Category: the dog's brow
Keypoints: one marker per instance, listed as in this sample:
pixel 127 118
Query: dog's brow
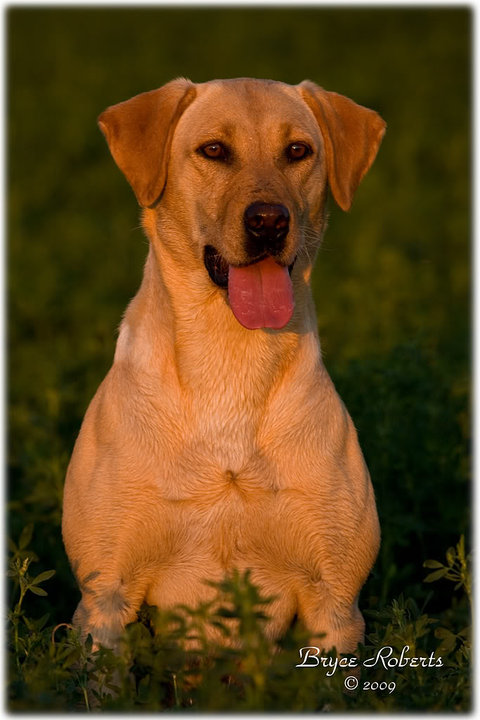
pixel 291 131
pixel 223 131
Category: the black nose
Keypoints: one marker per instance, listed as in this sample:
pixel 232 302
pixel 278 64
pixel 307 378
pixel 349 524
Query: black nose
pixel 267 226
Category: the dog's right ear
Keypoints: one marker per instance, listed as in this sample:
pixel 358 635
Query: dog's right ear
pixel 139 134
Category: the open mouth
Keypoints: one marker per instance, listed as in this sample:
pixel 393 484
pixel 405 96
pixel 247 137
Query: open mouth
pixel 218 267
pixel 260 293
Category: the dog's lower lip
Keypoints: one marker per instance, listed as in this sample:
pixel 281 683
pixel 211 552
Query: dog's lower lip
pixel 217 266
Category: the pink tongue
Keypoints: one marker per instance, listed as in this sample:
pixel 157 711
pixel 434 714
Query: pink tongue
pixel 261 295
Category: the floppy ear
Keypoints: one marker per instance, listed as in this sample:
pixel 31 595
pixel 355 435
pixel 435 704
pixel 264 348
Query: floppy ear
pixel 352 135
pixel 139 134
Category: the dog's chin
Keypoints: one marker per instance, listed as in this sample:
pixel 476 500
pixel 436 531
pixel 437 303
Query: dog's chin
pixel 217 267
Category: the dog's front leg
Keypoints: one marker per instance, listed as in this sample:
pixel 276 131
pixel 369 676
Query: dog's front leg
pixel 105 608
pixel 332 622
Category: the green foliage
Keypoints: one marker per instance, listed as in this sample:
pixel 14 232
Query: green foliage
pixel 392 288
pixel 25 630
pixel 457 569
pixel 168 660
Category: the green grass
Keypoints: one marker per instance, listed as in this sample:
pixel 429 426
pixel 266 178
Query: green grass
pixel 392 288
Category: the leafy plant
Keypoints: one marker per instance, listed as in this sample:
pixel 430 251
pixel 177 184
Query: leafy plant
pixel 217 657
pixel 25 630
pixel 457 569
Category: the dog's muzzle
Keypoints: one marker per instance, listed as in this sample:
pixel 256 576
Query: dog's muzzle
pixel 260 291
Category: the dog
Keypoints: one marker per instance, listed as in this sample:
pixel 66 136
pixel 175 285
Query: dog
pixel 217 440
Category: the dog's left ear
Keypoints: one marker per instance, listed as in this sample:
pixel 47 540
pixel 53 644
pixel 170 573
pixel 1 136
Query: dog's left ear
pixel 139 133
pixel 352 135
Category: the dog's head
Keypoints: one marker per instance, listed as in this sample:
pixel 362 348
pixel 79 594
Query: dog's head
pixel 240 168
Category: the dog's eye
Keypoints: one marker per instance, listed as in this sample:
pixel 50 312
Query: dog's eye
pixel 298 151
pixel 215 151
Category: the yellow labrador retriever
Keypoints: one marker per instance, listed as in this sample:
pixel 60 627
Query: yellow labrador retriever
pixel 217 439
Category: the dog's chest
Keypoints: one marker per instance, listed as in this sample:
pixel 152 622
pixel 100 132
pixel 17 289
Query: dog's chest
pixel 219 502
pixel 234 525
pixel 214 519
pixel 231 495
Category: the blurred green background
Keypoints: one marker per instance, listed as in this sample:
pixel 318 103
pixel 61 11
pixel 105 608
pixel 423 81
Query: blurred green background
pixel 392 282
